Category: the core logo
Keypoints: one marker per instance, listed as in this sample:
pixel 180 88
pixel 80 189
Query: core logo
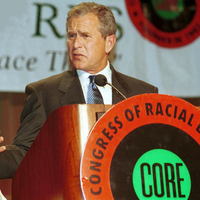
pixel 161 174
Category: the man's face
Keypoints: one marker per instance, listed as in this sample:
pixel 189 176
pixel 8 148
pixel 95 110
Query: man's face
pixel 87 49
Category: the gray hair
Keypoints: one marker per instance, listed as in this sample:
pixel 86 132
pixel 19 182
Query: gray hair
pixel 107 23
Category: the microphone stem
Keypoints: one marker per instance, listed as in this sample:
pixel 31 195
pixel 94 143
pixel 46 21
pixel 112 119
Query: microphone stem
pixel 116 90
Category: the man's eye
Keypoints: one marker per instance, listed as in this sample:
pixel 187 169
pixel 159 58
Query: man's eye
pixel 71 35
pixel 85 35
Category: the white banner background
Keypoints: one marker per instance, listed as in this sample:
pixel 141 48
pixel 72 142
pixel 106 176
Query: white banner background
pixel 26 58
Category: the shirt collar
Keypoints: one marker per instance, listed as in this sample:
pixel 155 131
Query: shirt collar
pixel 106 72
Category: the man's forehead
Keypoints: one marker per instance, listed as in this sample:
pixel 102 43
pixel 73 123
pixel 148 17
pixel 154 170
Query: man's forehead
pixel 86 20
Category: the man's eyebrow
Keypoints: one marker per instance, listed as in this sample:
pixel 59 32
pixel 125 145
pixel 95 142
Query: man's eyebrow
pixel 70 32
pixel 85 32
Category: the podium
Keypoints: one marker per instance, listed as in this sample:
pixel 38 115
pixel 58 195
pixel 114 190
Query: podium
pixel 145 146
pixel 51 167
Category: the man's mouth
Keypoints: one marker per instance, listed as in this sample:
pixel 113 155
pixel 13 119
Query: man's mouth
pixel 77 55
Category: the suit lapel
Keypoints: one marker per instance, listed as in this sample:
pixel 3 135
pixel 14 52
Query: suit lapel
pixel 71 88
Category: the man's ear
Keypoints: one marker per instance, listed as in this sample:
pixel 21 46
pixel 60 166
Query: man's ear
pixel 110 43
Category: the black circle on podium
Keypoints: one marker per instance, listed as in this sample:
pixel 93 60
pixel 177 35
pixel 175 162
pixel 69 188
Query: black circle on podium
pixel 143 139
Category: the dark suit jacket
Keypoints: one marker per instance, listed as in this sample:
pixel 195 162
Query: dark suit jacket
pixel 45 96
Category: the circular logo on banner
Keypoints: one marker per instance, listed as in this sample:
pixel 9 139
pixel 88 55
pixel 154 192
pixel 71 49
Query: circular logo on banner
pixel 167 23
pixel 146 147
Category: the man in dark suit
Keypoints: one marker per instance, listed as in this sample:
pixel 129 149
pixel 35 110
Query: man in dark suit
pixel 91 36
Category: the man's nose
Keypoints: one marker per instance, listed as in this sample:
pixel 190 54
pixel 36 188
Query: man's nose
pixel 77 42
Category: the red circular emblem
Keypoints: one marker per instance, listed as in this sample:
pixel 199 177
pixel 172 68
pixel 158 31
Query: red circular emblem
pixel 129 130
pixel 167 23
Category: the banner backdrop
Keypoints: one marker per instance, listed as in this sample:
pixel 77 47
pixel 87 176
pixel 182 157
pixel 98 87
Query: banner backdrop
pixel 158 42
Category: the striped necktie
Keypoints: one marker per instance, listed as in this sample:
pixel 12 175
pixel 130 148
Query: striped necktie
pixel 93 96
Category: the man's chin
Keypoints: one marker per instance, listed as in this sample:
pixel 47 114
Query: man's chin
pixel 80 67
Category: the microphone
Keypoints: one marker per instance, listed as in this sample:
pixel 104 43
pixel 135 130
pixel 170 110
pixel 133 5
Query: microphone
pixel 101 80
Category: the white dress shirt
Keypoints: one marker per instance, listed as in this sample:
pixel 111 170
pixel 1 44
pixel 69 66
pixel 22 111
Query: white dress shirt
pixel 106 91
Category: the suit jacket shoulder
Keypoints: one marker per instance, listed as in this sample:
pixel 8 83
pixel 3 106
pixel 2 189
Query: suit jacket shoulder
pixel 129 86
pixel 58 90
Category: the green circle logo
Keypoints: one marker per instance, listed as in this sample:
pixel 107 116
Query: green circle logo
pixel 161 174
pixel 168 9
